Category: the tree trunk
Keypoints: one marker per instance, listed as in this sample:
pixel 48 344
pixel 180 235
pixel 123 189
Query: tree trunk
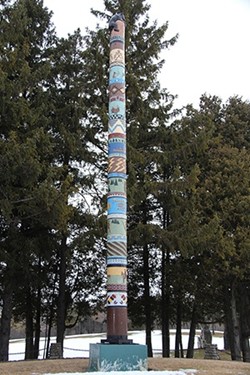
pixel 226 338
pixel 147 302
pixel 236 325
pixel 244 314
pixel 5 322
pixel 232 323
pixel 181 346
pixel 178 337
pixel 61 306
pixel 165 292
pixel 245 349
pixel 50 317
pixel 190 349
pixel 37 324
pixel 29 344
pixel 50 322
pixel 165 305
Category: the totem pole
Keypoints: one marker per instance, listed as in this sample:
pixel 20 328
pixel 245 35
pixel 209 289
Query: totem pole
pixel 116 352
pixel 117 198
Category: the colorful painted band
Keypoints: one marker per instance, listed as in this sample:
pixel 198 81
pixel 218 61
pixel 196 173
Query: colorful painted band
pixel 118 271
pixel 116 80
pixel 116 248
pixel 116 261
pixel 116 226
pixel 116 287
pixel 117 216
pixel 116 37
pixel 117 299
pixel 117 205
pixel 115 89
pixel 117 280
pixel 116 107
pixel 114 137
pixel 116 72
pixel 117 126
pixel 117 175
pixel 116 238
pixel 117 135
pixel 116 57
pixel 117 42
pixel 118 194
pixel 117 147
pixel 117 164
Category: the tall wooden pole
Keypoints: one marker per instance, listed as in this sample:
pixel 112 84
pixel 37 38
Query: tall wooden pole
pixel 103 356
pixel 117 321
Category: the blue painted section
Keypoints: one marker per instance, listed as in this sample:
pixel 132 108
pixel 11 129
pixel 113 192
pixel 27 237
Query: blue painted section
pixel 117 148
pixel 117 174
pixel 116 38
pixel 117 75
pixel 117 205
pixel 116 261
pixel 116 80
pixel 116 238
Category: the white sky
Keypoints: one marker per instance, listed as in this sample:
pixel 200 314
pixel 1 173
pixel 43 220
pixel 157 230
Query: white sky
pixel 212 54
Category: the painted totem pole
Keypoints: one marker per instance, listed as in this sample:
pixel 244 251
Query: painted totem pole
pixel 128 356
pixel 117 198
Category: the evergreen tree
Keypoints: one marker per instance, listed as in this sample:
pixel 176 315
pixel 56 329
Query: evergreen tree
pixel 26 36
pixel 47 169
pixel 220 199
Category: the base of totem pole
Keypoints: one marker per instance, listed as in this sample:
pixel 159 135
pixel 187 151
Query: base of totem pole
pixel 118 357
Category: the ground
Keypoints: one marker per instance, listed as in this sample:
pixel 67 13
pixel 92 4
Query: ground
pixel 204 367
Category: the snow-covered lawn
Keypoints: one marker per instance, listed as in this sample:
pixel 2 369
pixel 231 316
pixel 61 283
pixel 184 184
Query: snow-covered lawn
pixel 78 345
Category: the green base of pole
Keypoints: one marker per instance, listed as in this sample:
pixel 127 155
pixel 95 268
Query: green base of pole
pixel 112 357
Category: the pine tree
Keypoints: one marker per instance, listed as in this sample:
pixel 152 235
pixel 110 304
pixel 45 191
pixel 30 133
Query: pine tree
pixel 26 36
pixel 220 199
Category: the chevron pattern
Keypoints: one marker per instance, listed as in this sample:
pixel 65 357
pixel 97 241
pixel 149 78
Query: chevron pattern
pixel 117 126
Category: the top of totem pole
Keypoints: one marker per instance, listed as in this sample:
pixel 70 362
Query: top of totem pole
pixel 113 21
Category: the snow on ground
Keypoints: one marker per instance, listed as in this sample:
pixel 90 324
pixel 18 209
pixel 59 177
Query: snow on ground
pixel 78 345
pixel 180 372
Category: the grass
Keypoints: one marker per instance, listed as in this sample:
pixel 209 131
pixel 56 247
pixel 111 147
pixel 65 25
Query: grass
pixel 201 366
pixel 200 353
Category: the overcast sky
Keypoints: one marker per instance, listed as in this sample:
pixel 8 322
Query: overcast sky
pixel 212 54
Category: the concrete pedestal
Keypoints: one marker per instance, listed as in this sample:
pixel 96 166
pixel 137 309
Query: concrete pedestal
pixel 123 357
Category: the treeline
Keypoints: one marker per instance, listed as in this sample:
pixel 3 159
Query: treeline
pixel 188 185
